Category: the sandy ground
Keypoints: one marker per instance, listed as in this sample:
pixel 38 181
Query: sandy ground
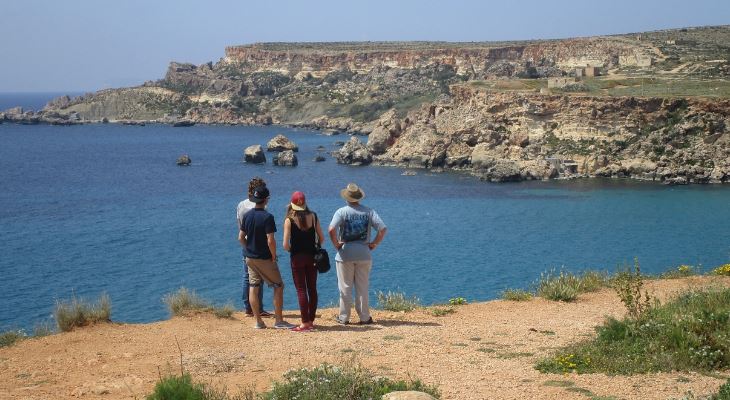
pixel 483 351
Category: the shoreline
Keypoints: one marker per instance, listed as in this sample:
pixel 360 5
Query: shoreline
pixel 375 162
pixel 482 350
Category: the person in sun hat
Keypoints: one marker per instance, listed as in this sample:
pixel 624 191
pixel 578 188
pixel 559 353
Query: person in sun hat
pixel 256 235
pixel 350 234
pixel 243 207
pixel 302 236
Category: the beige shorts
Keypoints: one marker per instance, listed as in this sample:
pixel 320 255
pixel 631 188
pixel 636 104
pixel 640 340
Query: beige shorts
pixel 263 270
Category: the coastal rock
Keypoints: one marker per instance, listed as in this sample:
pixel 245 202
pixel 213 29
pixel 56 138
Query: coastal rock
pixel 680 180
pixel 281 143
pixel 184 160
pixel 59 102
pixel 407 395
pixel 386 130
pixel 263 120
pixel 183 123
pixel 286 158
pixel 319 158
pixel 254 154
pixel 354 152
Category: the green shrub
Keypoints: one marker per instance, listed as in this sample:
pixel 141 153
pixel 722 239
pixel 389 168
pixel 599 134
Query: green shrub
pixel 77 312
pixel 516 295
pixel 225 311
pixel 9 338
pixel 561 287
pixel 178 387
pixel 186 302
pixel 689 333
pixel 628 284
pixel 328 382
pixel 397 301
pixel 592 281
pixel 681 271
pixel 457 301
pixel 442 311
pixel 722 270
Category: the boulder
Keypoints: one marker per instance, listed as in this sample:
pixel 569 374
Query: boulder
pixel 679 180
pixel 281 143
pixel 383 135
pixel 183 123
pixel 254 154
pixel 319 158
pixel 286 158
pixel 354 152
pixel 184 160
pixel 407 395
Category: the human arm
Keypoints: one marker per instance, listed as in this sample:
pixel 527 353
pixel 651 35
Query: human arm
pixel 336 221
pixel 287 234
pixel 271 241
pixel 378 238
pixel 333 237
pixel 242 238
pixel 379 225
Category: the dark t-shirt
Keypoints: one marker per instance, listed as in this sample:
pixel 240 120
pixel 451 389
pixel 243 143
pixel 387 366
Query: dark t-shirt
pixel 257 223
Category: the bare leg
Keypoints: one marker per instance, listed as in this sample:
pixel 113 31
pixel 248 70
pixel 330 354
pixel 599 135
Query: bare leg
pixel 278 303
pixel 253 297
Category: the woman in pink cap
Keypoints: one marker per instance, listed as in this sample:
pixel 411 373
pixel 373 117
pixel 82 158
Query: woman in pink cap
pixel 302 236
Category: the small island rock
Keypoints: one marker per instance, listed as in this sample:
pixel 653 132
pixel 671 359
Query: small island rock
pixel 281 143
pixel 184 160
pixel 286 158
pixel 254 154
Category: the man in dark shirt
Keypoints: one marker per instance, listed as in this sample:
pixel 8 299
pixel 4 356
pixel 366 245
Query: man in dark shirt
pixel 259 246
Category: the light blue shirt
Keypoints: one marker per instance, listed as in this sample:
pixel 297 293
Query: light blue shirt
pixel 353 225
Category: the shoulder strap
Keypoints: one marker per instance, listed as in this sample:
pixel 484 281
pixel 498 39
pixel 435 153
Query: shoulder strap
pixel 317 243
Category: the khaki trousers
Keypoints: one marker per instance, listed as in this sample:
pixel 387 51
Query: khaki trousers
pixel 354 274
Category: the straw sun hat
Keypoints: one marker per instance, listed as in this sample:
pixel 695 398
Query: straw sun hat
pixel 352 193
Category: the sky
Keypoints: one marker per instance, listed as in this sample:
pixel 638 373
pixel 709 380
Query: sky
pixel 87 45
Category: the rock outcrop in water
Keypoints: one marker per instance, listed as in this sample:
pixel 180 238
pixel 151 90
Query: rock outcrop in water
pixel 354 152
pixel 254 154
pixel 184 160
pixel 504 111
pixel 281 143
pixel 286 158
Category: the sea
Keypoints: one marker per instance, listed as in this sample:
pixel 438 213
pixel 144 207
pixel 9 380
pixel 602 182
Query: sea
pixel 103 208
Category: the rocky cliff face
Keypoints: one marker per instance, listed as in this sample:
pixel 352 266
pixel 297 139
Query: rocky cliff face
pixel 461 105
pixel 517 136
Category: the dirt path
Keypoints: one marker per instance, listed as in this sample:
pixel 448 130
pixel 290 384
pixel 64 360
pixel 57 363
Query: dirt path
pixel 483 351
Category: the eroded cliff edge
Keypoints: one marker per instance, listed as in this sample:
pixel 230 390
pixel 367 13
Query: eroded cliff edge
pixel 523 136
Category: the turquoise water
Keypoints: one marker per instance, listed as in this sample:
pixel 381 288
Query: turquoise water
pixel 104 208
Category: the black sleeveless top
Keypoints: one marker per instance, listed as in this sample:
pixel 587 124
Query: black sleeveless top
pixel 303 241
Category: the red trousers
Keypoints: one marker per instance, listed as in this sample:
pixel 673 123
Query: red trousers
pixel 305 280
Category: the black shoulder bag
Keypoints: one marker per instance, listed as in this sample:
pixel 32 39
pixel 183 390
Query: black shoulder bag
pixel 321 258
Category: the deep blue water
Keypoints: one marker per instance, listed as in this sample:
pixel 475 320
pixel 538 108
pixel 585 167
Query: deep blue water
pixel 104 208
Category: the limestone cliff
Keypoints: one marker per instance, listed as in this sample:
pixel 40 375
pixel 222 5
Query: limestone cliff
pixel 516 136
pixel 503 110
